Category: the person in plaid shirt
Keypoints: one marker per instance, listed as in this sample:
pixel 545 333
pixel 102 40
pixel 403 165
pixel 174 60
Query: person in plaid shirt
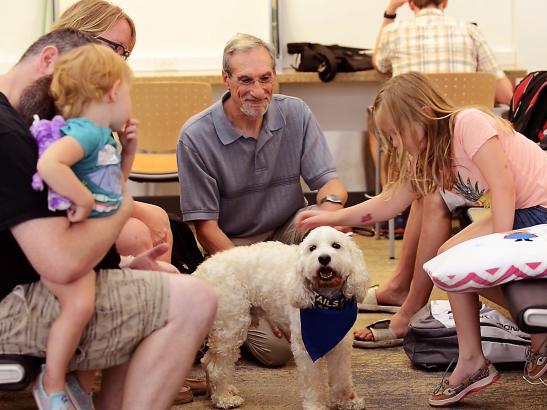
pixel 430 42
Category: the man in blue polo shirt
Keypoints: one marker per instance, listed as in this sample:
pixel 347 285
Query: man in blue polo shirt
pixel 240 163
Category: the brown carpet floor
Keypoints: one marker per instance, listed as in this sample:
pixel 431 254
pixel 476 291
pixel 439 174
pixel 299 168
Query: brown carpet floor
pixel 384 377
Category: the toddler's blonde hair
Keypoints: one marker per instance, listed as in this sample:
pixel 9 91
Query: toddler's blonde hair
pixel 85 75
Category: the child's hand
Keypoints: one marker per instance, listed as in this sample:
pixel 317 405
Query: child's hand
pixel 306 220
pixel 80 211
pixel 128 140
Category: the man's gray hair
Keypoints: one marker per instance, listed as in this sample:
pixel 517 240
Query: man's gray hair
pixel 240 43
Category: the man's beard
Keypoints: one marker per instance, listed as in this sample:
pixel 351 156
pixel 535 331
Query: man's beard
pixel 250 111
pixel 36 99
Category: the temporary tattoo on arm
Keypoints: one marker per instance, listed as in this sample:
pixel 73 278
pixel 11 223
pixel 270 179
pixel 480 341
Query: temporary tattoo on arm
pixel 366 218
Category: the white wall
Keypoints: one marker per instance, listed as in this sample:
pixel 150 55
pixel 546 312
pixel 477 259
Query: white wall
pixel 530 33
pixel 20 25
pixel 190 34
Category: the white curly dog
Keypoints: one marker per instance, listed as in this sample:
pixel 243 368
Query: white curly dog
pixel 280 279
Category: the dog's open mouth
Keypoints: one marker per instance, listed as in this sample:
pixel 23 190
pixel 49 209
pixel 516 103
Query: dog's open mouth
pixel 325 273
pixel 326 277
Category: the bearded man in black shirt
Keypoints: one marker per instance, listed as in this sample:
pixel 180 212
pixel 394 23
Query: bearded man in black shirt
pixel 146 322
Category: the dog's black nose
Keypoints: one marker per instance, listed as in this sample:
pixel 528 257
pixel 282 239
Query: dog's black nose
pixel 324 260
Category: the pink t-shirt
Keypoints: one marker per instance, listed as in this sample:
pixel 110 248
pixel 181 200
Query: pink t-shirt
pixel 527 161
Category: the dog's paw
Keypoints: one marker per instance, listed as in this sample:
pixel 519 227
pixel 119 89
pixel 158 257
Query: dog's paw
pixel 313 405
pixel 227 401
pixel 358 403
pixel 233 390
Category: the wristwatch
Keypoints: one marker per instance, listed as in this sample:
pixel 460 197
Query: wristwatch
pixel 335 199
pixel 390 16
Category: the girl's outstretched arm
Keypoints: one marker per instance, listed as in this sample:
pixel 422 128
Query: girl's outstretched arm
pixel 492 161
pixel 380 208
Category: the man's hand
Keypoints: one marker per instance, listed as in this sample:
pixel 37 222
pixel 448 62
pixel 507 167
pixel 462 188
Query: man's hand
pixel 393 5
pixel 276 330
pixel 258 313
pixel 147 260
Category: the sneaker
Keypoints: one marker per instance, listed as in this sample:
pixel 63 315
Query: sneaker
pixel 55 401
pixel 444 394
pixel 536 365
pixel 81 399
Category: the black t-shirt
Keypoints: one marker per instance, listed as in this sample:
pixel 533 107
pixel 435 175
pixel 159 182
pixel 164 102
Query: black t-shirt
pixel 19 202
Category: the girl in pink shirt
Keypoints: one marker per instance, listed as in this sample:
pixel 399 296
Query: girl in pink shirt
pixel 432 145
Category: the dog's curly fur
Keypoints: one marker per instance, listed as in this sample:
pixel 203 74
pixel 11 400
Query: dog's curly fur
pixel 279 279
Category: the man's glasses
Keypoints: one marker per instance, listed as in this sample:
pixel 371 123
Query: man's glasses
pixel 262 81
pixel 118 48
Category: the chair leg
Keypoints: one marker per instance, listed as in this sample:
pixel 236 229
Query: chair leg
pixel 391 236
pixel 377 188
pixel 377 177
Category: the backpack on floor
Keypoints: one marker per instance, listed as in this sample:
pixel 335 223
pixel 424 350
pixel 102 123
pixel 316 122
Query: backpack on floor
pixel 528 108
pixel 431 341
pixel 186 255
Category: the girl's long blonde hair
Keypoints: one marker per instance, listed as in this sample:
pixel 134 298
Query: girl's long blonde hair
pixel 412 102
pixel 94 17
pixel 85 75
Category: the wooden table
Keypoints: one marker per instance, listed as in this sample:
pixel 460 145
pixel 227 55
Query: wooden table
pixel 294 77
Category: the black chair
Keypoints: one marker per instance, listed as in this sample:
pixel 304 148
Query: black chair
pixel 18 371
pixel 527 302
pixel 526 299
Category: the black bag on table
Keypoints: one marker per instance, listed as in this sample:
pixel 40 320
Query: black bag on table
pixel 432 343
pixel 186 255
pixel 328 60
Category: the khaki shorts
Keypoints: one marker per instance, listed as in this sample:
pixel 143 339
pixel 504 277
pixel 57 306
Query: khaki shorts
pixel 129 306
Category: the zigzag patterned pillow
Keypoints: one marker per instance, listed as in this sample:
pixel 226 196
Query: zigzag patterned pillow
pixel 491 260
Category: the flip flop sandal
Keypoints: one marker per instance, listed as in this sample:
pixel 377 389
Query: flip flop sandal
pixel 382 334
pixel 370 303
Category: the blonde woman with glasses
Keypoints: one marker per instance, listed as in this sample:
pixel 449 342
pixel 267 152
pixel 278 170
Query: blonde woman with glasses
pixel 108 23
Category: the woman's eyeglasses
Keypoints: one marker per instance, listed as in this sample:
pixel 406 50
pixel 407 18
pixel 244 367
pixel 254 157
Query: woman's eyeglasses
pixel 118 48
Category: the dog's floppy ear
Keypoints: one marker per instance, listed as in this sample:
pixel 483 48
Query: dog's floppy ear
pixel 357 282
pixel 300 292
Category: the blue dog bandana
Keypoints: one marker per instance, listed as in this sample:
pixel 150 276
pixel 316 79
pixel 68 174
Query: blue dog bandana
pixel 324 325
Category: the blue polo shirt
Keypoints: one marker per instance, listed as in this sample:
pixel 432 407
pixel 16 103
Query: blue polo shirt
pixel 251 186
